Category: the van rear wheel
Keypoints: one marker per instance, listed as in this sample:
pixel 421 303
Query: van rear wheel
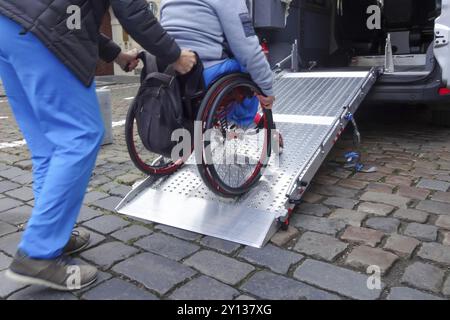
pixel 440 114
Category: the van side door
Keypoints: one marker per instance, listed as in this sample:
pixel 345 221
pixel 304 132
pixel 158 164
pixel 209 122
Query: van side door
pixel 441 41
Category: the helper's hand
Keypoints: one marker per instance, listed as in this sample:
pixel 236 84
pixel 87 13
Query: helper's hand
pixel 266 102
pixel 128 61
pixel 185 62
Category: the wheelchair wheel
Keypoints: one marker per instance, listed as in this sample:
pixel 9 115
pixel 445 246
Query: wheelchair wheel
pixel 233 156
pixel 147 162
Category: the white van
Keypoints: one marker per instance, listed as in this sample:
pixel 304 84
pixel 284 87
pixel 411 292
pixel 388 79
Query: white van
pixel 351 35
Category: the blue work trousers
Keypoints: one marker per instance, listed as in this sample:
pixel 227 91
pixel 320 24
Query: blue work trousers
pixel 61 121
pixel 241 114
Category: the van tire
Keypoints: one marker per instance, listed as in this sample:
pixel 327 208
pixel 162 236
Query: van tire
pixel 440 115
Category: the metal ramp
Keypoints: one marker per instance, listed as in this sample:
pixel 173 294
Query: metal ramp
pixel 311 111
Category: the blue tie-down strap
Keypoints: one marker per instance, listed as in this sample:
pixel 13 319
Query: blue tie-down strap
pixel 352 156
pixel 353 159
pixel 359 167
pixel 349 116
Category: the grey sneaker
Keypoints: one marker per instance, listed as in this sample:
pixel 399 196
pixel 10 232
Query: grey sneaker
pixel 56 274
pixel 78 241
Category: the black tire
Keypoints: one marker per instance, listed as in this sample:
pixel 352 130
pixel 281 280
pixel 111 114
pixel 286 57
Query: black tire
pixel 144 160
pixel 212 107
pixel 440 115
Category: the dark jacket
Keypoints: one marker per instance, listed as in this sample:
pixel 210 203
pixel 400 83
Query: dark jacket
pixel 80 49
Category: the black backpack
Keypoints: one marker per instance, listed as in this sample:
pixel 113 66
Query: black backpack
pixel 160 104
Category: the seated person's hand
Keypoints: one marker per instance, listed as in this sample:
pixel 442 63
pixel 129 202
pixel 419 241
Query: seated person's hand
pixel 186 62
pixel 128 61
pixel 266 102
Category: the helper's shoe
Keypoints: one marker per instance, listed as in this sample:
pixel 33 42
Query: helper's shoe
pixel 78 241
pixel 57 274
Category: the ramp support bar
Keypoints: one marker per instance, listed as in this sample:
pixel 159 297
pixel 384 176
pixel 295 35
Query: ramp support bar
pixel 293 58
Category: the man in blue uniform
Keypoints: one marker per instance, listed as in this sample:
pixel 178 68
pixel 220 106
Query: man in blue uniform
pixel 48 69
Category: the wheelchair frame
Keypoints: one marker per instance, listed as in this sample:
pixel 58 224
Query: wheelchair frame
pixel 210 98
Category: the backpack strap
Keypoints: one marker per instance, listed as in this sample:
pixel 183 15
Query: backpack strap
pixel 150 64
pixel 162 77
pixel 194 80
pixel 193 87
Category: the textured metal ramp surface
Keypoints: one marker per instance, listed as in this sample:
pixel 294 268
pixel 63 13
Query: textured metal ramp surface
pixel 239 224
pixel 317 93
pixel 309 112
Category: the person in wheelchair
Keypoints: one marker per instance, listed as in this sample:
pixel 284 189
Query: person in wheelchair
pixel 222 34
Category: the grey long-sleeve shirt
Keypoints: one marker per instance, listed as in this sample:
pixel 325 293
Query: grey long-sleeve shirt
pixel 211 27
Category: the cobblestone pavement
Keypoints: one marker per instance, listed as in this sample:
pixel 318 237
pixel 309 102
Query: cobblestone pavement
pixel 397 219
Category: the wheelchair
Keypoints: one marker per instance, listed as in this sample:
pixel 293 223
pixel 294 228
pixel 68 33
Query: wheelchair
pixel 230 158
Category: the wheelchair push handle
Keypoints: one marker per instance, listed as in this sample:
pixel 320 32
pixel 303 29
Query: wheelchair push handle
pixel 127 67
pixel 144 57
pixel 265 103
